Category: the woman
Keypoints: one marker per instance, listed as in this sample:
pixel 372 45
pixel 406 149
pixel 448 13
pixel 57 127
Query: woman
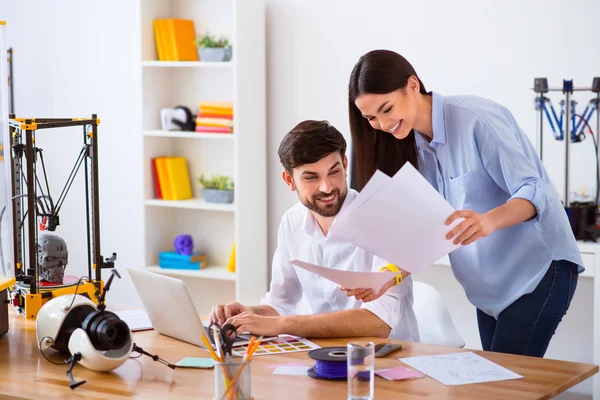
pixel 518 261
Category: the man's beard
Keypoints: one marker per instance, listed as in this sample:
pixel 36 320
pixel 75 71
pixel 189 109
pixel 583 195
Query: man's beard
pixel 326 210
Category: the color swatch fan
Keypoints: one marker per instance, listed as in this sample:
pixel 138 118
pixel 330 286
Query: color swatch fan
pixel 285 344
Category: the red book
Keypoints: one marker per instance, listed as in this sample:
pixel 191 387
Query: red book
pixel 155 179
pixel 212 129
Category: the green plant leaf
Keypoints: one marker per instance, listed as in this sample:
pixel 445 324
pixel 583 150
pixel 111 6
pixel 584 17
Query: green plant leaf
pixel 219 182
pixel 211 41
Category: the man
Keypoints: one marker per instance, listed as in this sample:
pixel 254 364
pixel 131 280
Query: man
pixel 315 166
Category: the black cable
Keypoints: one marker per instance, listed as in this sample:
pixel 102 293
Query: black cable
pixel 42 351
pixel 70 179
pixel 46 180
pixel 23 220
pixel 23 195
pixel 42 191
pixel 76 289
pixel 156 358
pixel 71 176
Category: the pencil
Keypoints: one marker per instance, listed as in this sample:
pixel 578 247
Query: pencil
pixel 209 348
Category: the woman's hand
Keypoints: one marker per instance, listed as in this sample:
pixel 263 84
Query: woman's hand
pixel 473 227
pixel 367 295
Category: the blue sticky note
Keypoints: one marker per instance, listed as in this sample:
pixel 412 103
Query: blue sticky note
pixel 195 362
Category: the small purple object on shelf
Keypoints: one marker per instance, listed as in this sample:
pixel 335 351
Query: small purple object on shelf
pixel 184 244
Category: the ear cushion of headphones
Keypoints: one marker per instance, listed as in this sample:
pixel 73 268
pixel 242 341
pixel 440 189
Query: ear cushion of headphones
pixel 190 124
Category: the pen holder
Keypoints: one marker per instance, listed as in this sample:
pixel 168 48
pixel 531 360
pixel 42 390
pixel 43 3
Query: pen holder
pixel 232 380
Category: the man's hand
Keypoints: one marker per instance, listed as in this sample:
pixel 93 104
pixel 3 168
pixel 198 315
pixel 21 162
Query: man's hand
pixel 367 295
pixel 474 226
pixel 256 324
pixel 220 313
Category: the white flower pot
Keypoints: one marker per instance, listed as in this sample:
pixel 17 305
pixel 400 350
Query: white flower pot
pixel 215 53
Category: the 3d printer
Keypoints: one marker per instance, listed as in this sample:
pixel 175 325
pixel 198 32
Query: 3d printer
pixel 570 126
pixel 34 210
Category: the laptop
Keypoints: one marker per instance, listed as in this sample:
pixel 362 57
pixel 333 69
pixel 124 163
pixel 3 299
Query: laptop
pixel 171 310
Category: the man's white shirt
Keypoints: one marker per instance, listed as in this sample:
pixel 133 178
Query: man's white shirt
pixel 300 237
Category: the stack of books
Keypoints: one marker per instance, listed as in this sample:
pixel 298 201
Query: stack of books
pixel 171 178
pixel 215 117
pixel 175 39
pixel 174 260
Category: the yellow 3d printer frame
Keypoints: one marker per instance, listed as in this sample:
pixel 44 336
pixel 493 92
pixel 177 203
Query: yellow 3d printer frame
pixel 27 294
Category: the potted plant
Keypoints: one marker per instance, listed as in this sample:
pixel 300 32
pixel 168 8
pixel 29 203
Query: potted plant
pixel 211 48
pixel 217 189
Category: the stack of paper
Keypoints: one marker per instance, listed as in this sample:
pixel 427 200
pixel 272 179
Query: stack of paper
pixel 400 219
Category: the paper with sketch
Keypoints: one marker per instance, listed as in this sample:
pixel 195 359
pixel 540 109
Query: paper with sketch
pixel 400 219
pixel 460 368
pixel 349 279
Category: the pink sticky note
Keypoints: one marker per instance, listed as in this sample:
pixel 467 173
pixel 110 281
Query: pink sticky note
pixel 398 373
pixel 290 364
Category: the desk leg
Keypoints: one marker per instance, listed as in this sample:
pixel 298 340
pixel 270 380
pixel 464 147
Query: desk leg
pixel 596 330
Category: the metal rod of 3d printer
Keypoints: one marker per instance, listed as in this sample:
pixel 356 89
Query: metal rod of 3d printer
pixel 95 199
pixel 32 215
pixel 87 202
pixel 542 107
pixel 597 133
pixel 567 146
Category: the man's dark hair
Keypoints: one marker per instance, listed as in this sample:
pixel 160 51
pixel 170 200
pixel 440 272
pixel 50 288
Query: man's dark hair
pixel 309 142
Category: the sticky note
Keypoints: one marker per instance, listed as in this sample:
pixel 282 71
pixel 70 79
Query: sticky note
pixel 195 362
pixel 398 373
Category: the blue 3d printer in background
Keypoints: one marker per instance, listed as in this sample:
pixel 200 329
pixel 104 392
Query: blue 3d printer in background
pixel 570 126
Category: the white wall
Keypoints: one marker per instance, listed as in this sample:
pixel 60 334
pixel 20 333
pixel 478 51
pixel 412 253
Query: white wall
pixel 72 60
pixel 491 49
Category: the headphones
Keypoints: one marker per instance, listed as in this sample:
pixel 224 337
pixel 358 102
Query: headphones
pixel 177 118
pixel 106 330
pixel 189 124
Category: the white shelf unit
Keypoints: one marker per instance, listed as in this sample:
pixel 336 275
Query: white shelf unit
pixel 188 64
pixel 214 227
pixel 191 204
pixel 189 135
pixel 214 272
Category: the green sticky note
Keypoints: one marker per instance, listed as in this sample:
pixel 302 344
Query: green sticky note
pixel 195 362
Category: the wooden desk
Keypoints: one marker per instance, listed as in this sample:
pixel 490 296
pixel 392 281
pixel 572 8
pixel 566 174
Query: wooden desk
pixel 24 373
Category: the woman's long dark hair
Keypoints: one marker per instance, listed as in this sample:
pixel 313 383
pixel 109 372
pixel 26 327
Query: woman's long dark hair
pixel 379 72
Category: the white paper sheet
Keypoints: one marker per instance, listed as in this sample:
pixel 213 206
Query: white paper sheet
pixel 460 368
pixel 400 219
pixel 349 279
pixel 137 320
